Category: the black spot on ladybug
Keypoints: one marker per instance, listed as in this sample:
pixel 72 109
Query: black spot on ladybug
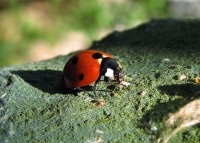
pixel 97 55
pixel 75 60
pixel 81 76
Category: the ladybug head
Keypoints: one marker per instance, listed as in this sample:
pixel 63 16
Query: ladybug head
pixel 118 74
pixel 111 69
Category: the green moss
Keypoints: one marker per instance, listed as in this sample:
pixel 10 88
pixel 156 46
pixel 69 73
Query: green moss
pixel 35 107
pixel 188 135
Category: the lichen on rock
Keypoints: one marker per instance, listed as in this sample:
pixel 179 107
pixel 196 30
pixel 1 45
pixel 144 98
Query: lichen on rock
pixel 35 106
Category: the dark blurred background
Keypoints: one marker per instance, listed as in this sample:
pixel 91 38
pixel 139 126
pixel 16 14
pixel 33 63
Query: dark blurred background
pixel 33 30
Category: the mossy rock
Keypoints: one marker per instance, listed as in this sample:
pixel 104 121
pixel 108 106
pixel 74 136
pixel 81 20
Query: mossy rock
pixel 35 106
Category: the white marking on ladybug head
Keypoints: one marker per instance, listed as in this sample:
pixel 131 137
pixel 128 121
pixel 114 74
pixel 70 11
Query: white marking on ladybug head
pixel 109 73
pixel 99 61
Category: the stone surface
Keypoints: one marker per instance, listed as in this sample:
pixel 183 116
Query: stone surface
pixel 35 107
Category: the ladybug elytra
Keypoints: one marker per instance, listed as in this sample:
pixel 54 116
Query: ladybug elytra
pixel 89 66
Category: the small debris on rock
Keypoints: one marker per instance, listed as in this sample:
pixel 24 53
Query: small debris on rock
pixel 96 140
pixel 154 128
pixel 99 140
pixel 144 93
pixel 165 60
pixel 125 83
pixel 182 77
pixel 197 80
pixel 99 131
pixel 99 103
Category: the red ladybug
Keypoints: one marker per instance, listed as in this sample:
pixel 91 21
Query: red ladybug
pixel 88 66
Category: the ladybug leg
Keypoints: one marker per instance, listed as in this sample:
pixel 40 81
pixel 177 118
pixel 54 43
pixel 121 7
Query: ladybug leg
pixel 95 86
pixel 106 79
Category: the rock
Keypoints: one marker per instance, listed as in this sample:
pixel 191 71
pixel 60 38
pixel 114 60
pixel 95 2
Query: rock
pixel 35 106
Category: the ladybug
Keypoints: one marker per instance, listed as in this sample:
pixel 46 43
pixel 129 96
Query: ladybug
pixel 89 66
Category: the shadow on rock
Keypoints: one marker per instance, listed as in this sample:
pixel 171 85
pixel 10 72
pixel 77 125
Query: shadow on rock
pixel 49 81
pixel 187 90
pixel 161 110
pixel 163 36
